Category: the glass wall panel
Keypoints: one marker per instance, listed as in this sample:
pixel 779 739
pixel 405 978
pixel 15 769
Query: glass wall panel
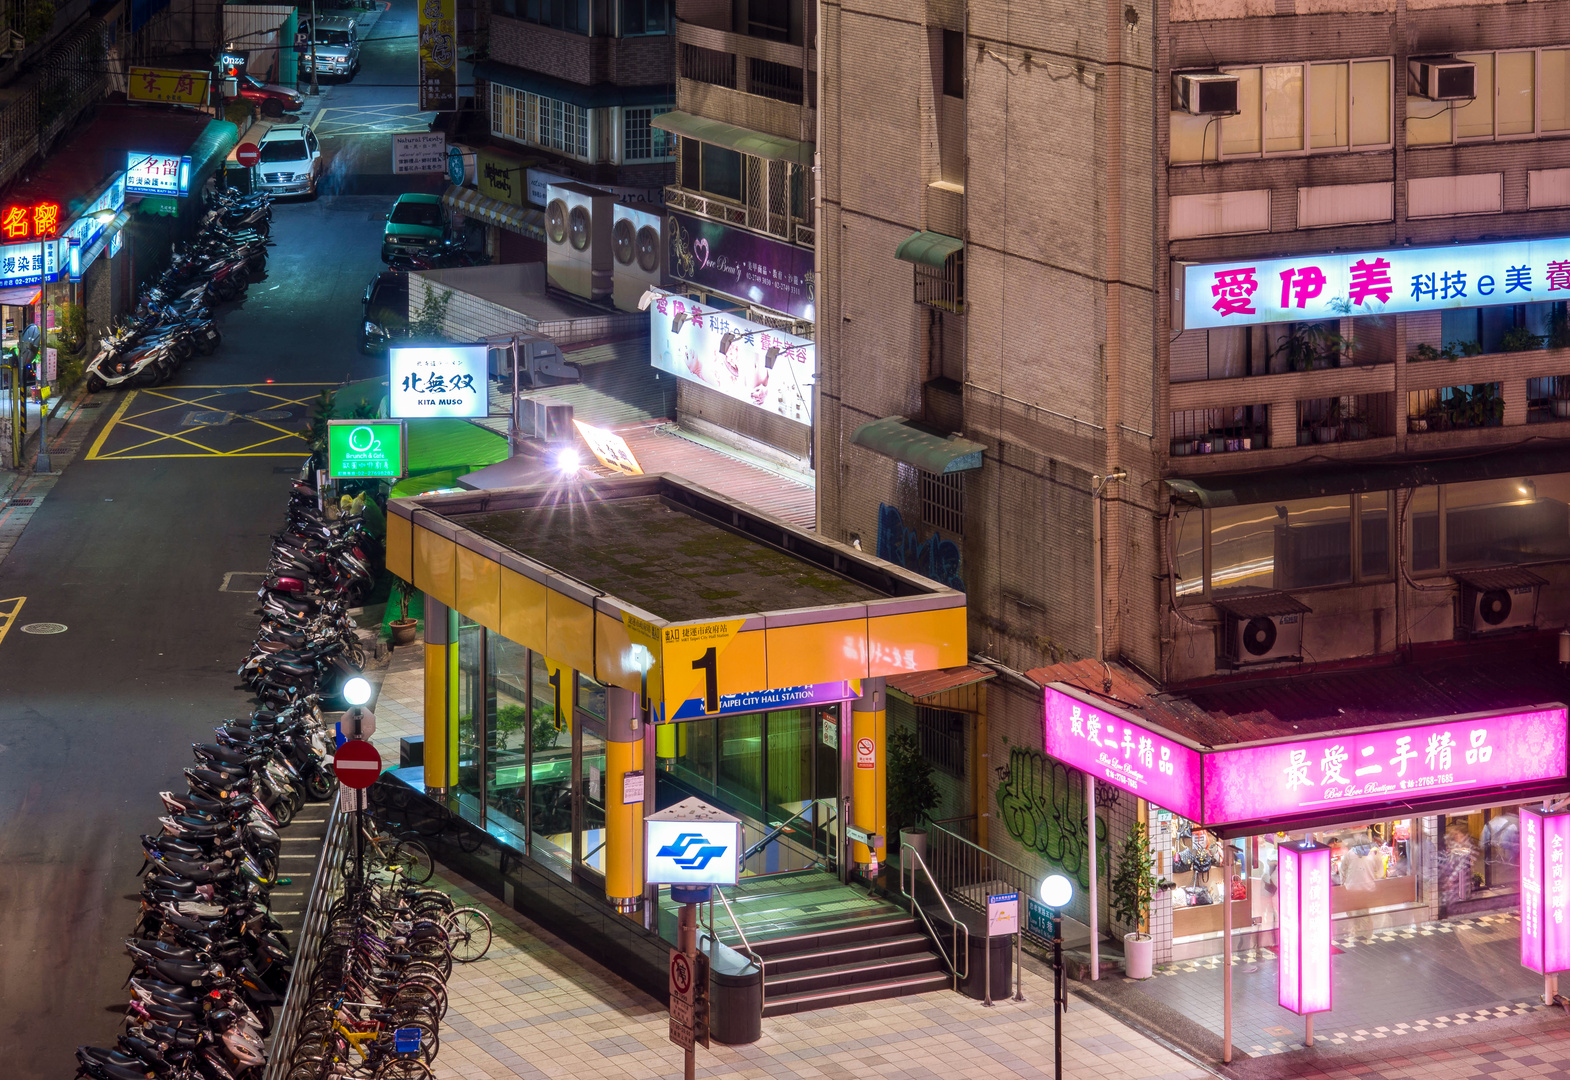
pixel 1371 103
pixel 1293 545
pixel 1240 134
pixel 589 847
pixel 1422 528
pixel 1479 856
pixel 550 794
pixel 1188 553
pixel 1475 118
pixel 740 773
pixel 1500 522
pixel 1327 119
pixel 1373 510
pixel 471 707
pixel 507 734
pixel 1283 108
pixel 791 741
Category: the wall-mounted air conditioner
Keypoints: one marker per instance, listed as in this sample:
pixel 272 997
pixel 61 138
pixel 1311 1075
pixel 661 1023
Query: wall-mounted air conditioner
pixel 1442 78
pixel 1492 601
pixel 578 256
pixel 1263 627
pixel 638 244
pixel 1204 93
pixel 546 418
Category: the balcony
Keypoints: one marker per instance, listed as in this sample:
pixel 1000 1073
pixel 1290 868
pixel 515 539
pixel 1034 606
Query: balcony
pixel 1345 418
pixel 1227 430
pixel 747 81
pixel 1455 408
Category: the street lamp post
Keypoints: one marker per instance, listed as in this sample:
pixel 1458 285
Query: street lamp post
pixel 315 88
pixel 1056 892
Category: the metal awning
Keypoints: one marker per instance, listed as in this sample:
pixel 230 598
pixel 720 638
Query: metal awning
pixel 1262 603
pixel 1508 577
pixel 928 249
pixel 20 295
pixel 924 684
pixel 471 203
pixel 744 140
pixel 912 442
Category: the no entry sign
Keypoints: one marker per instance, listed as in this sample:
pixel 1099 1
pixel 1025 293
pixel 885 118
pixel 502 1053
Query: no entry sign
pixel 247 154
pixel 357 764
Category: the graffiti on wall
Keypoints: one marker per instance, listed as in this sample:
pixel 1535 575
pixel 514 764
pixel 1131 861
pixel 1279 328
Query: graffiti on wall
pixel 933 557
pixel 1042 805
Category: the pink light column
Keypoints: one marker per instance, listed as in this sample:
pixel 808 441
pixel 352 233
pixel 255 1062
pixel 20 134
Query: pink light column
pixel 1545 891
pixel 1303 880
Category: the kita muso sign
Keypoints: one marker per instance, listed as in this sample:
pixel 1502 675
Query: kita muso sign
pixel 1305 287
pixel 692 852
pixel 157 174
pixel 366 449
pixel 439 380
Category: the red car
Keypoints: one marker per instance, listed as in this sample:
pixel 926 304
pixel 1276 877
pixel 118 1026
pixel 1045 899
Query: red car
pixel 274 100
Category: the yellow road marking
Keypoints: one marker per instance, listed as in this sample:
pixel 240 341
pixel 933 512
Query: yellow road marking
pixel 98 443
pixel 167 435
pixel 318 119
pixel 9 617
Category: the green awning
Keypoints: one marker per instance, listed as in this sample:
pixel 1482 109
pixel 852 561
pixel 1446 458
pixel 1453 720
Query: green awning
pixel 928 248
pixel 167 205
pixel 916 444
pixel 745 140
pixel 211 148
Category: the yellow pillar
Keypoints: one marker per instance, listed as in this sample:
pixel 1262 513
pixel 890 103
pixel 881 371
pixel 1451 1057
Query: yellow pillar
pixel 869 776
pixel 441 692
pixel 623 820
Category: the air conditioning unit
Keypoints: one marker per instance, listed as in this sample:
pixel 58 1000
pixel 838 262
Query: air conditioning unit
pixel 541 363
pixel 546 418
pixel 1493 601
pixel 1263 627
pixel 1442 78
pixel 1204 93
pixel 638 245
pixel 578 255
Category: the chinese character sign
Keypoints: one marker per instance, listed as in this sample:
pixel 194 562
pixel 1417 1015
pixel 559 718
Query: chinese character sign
pixel 1303 880
pixel 1111 748
pixel 769 273
pixel 438 55
pixel 152 174
pixel 439 380
pixel 610 448
pixel 1545 891
pixel 169 87
pixel 759 365
pixel 1464 754
pixel 1307 287
pixel 28 264
pixel 34 221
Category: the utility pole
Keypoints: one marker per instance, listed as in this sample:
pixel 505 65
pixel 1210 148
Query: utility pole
pixel 315 87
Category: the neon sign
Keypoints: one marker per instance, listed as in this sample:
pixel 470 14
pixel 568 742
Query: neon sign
pixel 40 221
pixel 1545 891
pixel 1111 747
pixel 1303 880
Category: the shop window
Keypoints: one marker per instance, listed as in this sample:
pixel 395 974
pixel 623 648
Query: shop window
pixel 712 170
pixel 471 710
pixel 1371 866
pixel 550 787
pixel 1479 859
pixel 1422 529
pixel 941 734
pixel 1373 510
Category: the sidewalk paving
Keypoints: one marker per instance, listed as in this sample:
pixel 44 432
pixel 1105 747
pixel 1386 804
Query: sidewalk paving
pixel 535 1007
pixel 23 490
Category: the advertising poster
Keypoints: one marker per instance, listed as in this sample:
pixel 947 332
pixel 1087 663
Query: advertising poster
pixel 769 273
pixel 419 152
pixel 438 380
pixel 167 86
pixel 762 366
pixel 438 55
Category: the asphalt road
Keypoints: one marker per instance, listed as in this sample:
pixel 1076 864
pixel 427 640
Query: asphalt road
pixel 129 553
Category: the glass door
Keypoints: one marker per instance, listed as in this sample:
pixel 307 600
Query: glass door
pixel 507 736
pixel 471 710
pixel 550 766
pixel 588 796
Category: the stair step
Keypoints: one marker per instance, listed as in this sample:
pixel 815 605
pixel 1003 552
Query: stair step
pixel 881 948
pixel 832 936
pixel 851 995
pixel 849 976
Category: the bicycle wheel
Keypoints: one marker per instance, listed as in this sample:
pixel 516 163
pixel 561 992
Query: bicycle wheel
pixel 415 860
pixel 404 1069
pixel 308 1068
pixel 469 836
pixel 468 934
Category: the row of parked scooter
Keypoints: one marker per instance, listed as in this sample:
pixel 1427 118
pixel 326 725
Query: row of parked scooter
pixel 173 320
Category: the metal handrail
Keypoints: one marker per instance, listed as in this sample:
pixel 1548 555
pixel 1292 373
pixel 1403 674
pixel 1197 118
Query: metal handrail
pixel 915 908
pixel 961 863
pixel 746 948
pixel 775 832
pixel 323 888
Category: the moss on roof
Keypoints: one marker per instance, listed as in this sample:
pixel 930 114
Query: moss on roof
pixel 669 563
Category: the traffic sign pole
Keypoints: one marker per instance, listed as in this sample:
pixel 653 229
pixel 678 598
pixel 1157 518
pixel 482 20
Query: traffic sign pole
pixel 357 766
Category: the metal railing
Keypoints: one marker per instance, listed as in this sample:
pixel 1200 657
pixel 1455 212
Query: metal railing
pixel 774 833
pixel 708 66
pixel 911 858
pixel 746 946
pixel 325 887
pixel 970 873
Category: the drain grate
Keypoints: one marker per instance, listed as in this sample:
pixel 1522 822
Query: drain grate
pixel 270 414
pixel 91 405
pixel 286 470
pixel 206 418
pixel 44 628
pixel 21 502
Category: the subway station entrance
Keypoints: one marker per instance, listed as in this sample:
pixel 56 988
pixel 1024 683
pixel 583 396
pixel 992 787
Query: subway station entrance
pixel 601 650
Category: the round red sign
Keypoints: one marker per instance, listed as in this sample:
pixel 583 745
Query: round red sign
pixel 357 764
pixel 247 154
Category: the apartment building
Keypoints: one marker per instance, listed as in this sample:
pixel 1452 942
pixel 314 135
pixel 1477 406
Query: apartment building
pixel 1224 341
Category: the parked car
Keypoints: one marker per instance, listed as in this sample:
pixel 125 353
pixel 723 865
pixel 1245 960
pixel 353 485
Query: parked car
pixel 384 311
pixel 275 100
pixel 289 160
pixel 416 225
pixel 337 47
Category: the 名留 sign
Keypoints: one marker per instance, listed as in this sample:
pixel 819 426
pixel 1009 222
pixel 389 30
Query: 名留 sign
pixel 157 174
pixel 1304 287
pixel 438 380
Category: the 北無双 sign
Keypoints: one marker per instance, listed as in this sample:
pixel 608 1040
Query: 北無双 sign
pixel 366 449
pixel 1305 287
pixel 157 174
pixel 438 380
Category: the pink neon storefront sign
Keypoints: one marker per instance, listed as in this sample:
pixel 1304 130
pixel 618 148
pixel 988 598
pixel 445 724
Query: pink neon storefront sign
pixel 1545 891
pixel 1303 878
pixel 1109 746
pixel 1289 780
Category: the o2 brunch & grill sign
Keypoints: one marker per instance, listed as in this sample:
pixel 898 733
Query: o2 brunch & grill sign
pixel 1304 287
pixel 439 381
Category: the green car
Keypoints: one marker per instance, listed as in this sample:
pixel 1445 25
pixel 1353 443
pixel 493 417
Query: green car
pixel 417 225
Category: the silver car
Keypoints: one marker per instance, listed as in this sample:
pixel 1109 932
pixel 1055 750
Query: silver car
pixel 336 42
pixel 289 160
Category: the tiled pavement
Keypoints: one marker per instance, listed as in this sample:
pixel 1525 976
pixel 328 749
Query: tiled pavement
pixel 537 1008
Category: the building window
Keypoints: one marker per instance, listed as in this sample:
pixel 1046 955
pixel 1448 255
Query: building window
pixel 1521 94
pixel 943 501
pixel 782 82
pixel 769 19
pixel 569 15
pixel 713 170
pixel 941 735
pixel 644 17
pixel 640 140
pixel 540 121
pixel 953 63
pixel 1314 108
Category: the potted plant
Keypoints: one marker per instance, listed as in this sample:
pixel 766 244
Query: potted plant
pixel 1182 447
pixel 1354 426
pixel 911 792
pixel 1416 424
pixel 1132 887
pixel 1520 339
pixel 403 627
pixel 1329 426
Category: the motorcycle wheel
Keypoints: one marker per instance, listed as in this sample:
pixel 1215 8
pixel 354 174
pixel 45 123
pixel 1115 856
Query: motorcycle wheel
pixel 95 384
pixel 319 786
pixel 296 799
pixel 283 810
pixel 206 347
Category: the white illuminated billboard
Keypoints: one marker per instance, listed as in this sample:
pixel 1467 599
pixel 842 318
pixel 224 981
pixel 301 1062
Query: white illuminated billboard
pixel 748 361
pixel 438 380
pixel 692 852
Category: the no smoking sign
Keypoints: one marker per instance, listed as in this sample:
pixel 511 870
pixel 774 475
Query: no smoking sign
pixel 866 754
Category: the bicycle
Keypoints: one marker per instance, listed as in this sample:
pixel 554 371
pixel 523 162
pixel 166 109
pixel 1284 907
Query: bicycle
pixel 468 934
pixel 411 856
pixel 373 1041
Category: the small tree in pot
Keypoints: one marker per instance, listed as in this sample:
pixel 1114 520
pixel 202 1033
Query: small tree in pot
pixel 911 792
pixel 1132 887
pixel 403 627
